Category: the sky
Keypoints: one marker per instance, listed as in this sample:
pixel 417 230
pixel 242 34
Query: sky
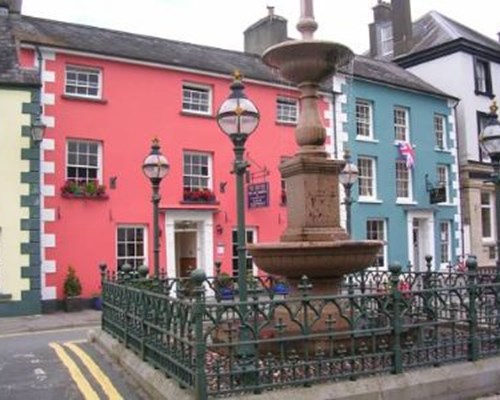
pixel 221 23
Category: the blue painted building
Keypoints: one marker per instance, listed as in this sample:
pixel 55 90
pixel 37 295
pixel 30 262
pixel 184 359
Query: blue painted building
pixel 410 200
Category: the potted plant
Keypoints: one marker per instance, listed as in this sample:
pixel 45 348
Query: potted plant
pixel 72 289
pixel 96 301
pixel 224 284
pixel 280 286
pixel 86 189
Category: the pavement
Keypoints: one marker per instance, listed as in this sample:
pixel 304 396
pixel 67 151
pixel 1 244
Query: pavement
pixel 49 322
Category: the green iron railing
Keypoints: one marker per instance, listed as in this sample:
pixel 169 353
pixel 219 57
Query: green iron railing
pixel 381 323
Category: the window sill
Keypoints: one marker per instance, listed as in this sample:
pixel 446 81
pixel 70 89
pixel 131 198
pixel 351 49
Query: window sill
pixel 84 196
pixel 369 201
pixel 406 202
pixel 442 150
pixel 200 202
pixel 186 113
pixel 486 94
pixel 83 98
pixel 366 139
pixel 287 123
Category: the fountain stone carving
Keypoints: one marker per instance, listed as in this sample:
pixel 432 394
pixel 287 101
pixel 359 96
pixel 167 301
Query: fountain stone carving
pixel 313 244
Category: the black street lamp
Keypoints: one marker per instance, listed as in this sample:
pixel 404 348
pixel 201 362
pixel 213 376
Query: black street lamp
pixel 238 117
pixel 156 167
pixel 490 140
pixel 348 177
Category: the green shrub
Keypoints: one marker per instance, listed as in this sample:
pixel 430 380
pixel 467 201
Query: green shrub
pixel 72 285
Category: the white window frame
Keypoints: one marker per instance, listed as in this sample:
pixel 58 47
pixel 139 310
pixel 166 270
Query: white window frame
pixel 443 178
pixel 193 105
pixel 364 119
pixel 145 244
pixel 83 85
pixel 401 124
pixel 445 239
pixel 197 176
pixel 287 110
pixel 397 168
pixel 386 40
pixel 487 206
pixel 385 248
pixel 84 166
pixel 482 76
pixel 372 178
pixel 440 132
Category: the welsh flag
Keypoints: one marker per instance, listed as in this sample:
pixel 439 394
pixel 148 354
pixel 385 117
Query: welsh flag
pixel 407 153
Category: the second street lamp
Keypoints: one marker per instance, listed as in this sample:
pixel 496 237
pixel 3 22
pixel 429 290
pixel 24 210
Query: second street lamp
pixel 348 177
pixel 238 117
pixel 156 167
pixel 490 140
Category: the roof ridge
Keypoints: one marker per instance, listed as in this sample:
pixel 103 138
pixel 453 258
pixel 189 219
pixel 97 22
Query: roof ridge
pixel 132 34
pixel 443 21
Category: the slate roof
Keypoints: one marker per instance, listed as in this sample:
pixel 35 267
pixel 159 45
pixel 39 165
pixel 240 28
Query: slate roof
pixel 387 72
pixel 38 31
pixel 10 73
pixel 435 29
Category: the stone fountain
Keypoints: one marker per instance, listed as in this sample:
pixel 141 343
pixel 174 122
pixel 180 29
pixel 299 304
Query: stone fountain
pixel 313 244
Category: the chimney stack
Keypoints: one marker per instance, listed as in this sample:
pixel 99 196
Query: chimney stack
pixel 11 6
pixel 265 33
pixel 402 29
pixel 381 15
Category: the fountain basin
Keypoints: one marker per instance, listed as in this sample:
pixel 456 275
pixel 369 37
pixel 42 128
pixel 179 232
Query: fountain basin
pixel 331 259
pixel 302 61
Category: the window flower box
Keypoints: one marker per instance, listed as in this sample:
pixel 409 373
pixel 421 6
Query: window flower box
pixel 83 189
pixel 202 195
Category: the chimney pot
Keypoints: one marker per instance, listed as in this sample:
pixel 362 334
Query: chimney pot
pixel 270 10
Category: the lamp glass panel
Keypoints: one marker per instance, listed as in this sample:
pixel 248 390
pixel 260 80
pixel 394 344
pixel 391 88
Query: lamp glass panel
pixel 490 139
pixel 156 166
pixel 349 175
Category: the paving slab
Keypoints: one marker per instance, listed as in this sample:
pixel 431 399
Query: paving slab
pixel 47 322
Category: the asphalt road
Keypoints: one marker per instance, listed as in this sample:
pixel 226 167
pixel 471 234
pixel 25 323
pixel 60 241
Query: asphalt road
pixel 59 365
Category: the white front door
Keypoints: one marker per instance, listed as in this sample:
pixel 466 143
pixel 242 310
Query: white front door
pixel 189 242
pixel 421 238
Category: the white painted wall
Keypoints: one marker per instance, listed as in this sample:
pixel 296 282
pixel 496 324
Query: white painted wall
pixel 454 74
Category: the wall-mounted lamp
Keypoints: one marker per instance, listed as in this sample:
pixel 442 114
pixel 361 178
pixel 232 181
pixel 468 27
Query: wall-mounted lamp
pixel 37 130
pixel 219 229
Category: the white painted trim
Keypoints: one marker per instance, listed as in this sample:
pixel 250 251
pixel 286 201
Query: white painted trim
pixel 49 293
pixel 426 237
pixel 48 190
pixel 48 144
pixel 48 240
pixel 48 215
pixel 48 99
pixel 48 167
pixel 205 238
pixel 50 122
pixel 49 266
pixel 48 76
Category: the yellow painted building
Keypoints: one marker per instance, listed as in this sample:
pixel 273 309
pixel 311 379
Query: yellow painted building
pixel 11 212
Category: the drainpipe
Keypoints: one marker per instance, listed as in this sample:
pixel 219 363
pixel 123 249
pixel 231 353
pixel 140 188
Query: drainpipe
pixel 462 231
pixel 334 108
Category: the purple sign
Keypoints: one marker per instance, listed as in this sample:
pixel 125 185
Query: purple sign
pixel 258 195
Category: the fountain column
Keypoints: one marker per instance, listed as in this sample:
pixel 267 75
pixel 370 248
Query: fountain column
pixel 313 243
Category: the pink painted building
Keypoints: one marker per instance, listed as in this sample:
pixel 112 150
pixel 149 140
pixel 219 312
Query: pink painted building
pixel 105 96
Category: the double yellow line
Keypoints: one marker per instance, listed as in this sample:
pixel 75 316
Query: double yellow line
pixel 83 384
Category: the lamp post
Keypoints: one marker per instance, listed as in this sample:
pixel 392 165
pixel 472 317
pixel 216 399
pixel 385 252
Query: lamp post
pixel 490 140
pixel 348 177
pixel 238 117
pixel 156 167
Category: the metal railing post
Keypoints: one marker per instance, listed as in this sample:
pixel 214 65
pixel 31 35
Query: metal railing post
pixel 198 276
pixel 397 326
pixel 473 348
